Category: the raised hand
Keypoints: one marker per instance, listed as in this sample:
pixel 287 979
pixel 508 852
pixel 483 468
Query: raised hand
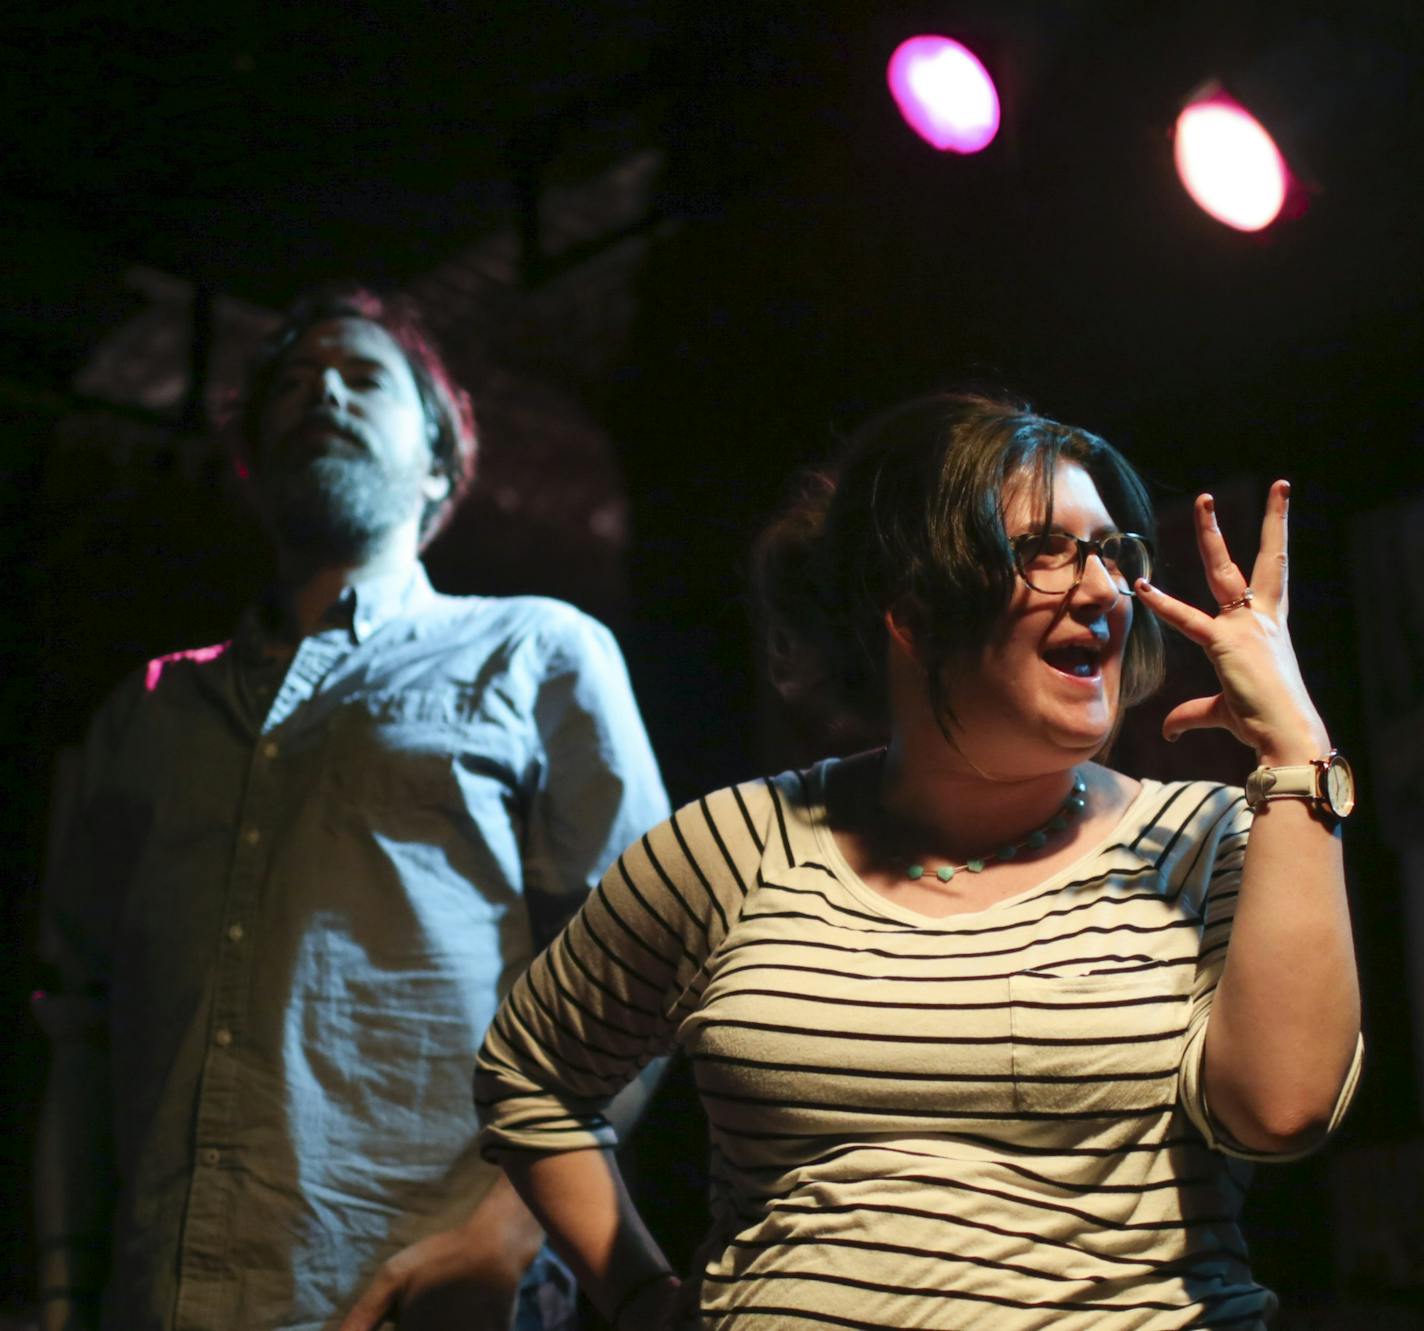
pixel 1263 700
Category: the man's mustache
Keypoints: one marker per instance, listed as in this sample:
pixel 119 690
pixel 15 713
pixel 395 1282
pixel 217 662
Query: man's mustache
pixel 329 422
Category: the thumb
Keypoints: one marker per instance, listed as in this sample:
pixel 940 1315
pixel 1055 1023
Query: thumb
pixel 1196 714
pixel 375 1305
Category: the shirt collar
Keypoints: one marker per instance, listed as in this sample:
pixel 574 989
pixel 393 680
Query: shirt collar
pixel 361 609
pixel 365 606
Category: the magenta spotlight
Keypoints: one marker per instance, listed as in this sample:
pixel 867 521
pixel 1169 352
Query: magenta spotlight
pixel 1229 164
pixel 944 93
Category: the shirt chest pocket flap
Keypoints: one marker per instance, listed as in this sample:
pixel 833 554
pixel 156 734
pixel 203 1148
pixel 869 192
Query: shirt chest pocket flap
pixel 410 751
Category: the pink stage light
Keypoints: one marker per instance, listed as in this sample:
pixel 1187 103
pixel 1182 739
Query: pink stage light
pixel 944 93
pixel 1229 164
pixel 197 655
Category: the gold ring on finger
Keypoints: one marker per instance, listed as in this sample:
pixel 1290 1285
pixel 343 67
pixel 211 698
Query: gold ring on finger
pixel 1244 599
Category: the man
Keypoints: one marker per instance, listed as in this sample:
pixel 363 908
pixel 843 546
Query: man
pixel 302 868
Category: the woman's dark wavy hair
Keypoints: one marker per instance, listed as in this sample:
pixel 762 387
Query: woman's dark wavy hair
pixel 454 444
pixel 910 516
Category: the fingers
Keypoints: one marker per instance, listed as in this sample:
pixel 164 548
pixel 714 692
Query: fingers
pixel 1225 580
pixel 1190 622
pixel 372 1308
pixel 1268 577
pixel 1196 714
pixel 1268 573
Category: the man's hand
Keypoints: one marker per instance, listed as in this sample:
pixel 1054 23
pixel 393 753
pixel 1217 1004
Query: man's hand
pixel 69 1315
pixel 461 1279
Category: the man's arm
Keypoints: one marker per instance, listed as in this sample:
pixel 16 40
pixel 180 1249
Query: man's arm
pixel 599 788
pixel 73 1171
pixel 75 1182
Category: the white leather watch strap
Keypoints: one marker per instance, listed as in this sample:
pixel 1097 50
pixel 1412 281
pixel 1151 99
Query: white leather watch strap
pixel 1298 781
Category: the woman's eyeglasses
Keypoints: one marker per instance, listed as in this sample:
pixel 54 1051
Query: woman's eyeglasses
pixel 1053 562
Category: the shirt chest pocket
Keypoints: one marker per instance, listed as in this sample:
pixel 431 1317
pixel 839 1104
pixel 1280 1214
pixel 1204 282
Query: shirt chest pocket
pixel 405 753
pixel 1095 1043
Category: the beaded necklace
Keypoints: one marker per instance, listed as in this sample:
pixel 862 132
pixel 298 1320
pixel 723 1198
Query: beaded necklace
pixel 1070 809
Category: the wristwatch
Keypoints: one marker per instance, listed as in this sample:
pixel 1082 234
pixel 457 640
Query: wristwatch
pixel 1327 782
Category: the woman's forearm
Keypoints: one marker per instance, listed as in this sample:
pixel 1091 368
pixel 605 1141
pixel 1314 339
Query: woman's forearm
pixel 1286 1014
pixel 580 1199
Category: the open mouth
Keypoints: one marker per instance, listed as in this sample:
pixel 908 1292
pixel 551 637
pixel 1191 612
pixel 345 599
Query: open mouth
pixel 1080 662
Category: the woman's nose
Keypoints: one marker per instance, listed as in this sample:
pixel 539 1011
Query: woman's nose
pixel 1099 584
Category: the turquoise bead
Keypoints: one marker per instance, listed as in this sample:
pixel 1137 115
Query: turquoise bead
pixel 1058 822
pixel 975 866
pixel 1077 803
pixel 915 871
pixel 1037 840
pixel 946 873
pixel 1006 852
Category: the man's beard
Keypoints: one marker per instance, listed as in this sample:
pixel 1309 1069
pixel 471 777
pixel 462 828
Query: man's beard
pixel 339 507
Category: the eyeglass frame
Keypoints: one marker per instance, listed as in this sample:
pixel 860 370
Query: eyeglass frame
pixel 1084 549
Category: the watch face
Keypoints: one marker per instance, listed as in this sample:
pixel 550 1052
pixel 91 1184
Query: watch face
pixel 1340 787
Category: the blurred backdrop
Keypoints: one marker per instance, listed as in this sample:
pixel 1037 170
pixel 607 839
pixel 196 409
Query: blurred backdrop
pixel 676 250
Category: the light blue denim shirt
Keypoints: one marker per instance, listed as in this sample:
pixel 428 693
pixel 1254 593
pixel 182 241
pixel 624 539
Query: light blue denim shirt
pixel 295 893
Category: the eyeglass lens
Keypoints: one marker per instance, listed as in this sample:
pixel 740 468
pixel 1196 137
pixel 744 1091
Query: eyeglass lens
pixel 1053 563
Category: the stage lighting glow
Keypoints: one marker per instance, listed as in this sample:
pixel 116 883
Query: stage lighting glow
pixel 944 93
pixel 1229 164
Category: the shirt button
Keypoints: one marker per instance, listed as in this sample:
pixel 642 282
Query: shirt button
pixel 269 750
pixel 252 836
pixel 211 1156
pixel 234 933
pixel 222 1037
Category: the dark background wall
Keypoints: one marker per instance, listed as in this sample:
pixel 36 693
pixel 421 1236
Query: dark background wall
pixel 677 250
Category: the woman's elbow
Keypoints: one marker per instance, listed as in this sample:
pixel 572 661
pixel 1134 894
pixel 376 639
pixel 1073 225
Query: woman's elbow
pixel 1281 1125
pixel 1282 1138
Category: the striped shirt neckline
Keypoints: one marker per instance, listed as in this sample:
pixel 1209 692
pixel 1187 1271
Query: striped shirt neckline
pixel 812 821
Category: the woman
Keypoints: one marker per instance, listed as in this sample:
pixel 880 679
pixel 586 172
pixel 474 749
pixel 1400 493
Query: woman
pixel 982 1027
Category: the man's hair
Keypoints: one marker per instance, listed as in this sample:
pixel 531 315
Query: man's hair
pixel 910 517
pixel 454 442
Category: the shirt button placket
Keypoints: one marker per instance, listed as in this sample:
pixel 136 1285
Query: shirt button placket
pixel 206 1291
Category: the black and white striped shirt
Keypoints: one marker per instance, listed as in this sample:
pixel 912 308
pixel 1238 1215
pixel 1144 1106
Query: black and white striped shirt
pixel 994 1119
